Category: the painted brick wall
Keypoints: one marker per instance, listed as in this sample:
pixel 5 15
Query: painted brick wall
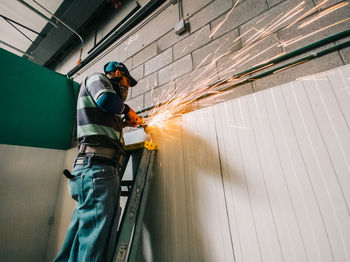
pixel 166 64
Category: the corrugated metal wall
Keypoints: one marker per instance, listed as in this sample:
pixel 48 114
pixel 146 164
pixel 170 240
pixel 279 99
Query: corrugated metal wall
pixel 265 177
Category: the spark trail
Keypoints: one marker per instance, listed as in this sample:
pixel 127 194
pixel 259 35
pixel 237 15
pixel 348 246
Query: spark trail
pixel 233 55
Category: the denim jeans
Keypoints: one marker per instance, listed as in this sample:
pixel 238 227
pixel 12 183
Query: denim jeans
pixel 92 232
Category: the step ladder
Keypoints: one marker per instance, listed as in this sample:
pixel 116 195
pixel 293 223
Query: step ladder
pixel 129 232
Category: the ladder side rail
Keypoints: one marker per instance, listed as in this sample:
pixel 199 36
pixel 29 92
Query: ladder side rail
pixel 129 216
pixel 140 216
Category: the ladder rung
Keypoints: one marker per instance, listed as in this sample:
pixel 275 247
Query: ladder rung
pixel 125 193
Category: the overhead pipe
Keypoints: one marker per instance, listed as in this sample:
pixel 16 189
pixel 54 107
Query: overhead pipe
pixel 69 28
pixel 37 12
pixel 127 26
pixel 286 66
pixel 15 48
pixel 15 27
pixel 299 51
pixel 274 61
pixel 17 23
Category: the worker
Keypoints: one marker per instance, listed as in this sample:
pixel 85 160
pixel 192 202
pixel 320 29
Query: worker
pixel 95 182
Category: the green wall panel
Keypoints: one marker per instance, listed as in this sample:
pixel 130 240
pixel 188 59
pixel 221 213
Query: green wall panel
pixel 37 105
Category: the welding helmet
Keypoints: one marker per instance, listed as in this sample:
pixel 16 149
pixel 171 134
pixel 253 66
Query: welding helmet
pixel 114 66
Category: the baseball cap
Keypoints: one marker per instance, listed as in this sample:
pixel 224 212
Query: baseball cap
pixel 114 66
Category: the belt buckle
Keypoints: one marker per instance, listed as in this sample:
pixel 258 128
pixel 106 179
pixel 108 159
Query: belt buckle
pixel 79 161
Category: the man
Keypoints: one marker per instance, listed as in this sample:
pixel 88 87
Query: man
pixel 95 183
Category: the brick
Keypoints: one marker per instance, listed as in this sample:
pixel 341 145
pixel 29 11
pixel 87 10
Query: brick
pixel 215 49
pixel 272 3
pixel 264 19
pixel 345 54
pixel 314 66
pixel 233 93
pixel 241 14
pixel 137 72
pixel 145 85
pixel 136 103
pixel 157 27
pixel 159 61
pixel 195 80
pixel 192 42
pixel 209 13
pixel 329 3
pixel 331 18
pixel 176 69
pixel 169 39
pixel 127 63
pixel 191 7
pixel 265 50
pixel 145 54
pixel 160 94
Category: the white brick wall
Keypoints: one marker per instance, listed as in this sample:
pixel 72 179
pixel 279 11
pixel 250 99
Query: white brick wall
pixel 159 61
pixel 176 69
pixel 155 55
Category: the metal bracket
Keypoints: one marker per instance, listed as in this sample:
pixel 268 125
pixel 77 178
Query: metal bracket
pixel 180 26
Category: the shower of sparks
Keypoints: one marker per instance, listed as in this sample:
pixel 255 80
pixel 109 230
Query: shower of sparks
pixel 262 19
pixel 294 40
pixel 322 14
pixel 220 24
pixel 215 71
pixel 309 12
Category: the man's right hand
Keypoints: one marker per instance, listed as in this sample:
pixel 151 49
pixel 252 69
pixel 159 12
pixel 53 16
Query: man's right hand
pixel 132 119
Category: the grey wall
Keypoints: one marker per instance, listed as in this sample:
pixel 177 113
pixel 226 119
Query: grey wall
pixel 163 61
pixel 63 210
pixel 29 179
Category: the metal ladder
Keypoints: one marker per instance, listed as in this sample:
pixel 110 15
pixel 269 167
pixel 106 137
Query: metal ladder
pixel 129 231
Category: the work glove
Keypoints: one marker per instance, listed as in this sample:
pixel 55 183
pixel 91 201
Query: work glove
pixel 132 119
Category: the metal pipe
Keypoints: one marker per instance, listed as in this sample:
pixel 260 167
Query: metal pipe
pixel 59 20
pixel 179 4
pixel 289 55
pixel 10 23
pixel 136 18
pixel 37 12
pixel 63 23
pixel 299 51
pixel 17 23
pixel 15 48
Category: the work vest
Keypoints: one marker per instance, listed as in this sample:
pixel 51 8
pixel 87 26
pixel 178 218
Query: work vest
pixel 94 126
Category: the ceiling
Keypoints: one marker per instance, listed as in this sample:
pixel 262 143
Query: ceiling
pixel 66 23
pixel 25 32
pixel 19 13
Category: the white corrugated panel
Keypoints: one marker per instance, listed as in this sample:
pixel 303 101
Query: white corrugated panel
pixel 265 177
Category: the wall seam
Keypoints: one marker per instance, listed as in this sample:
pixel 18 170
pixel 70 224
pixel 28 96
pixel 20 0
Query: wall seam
pixel 223 183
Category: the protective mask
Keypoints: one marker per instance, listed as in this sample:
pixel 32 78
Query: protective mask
pixel 122 91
